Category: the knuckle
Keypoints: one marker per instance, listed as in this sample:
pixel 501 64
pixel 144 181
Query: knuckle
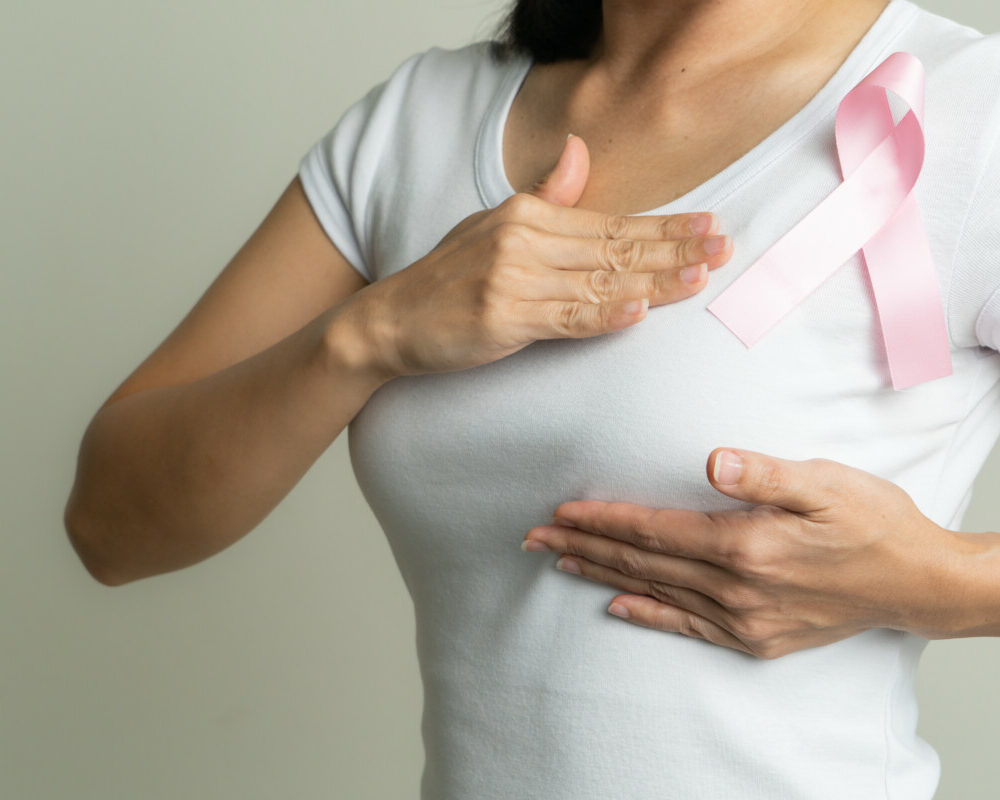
pixel 604 318
pixel 567 319
pixel 493 276
pixel 663 592
pixel 750 555
pixel 630 562
pixel 574 547
pixel 618 254
pixel 752 630
pixel 689 626
pixel 509 237
pixel 646 538
pixel 737 552
pixel 768 649
pixel 756 557
pixel 770 481
pixel 665 284
pixel 497 281
pixel 667 228
pixel 599 286
pixel 690 251
pixel 740 599
pixel 520 205
pixel 615 226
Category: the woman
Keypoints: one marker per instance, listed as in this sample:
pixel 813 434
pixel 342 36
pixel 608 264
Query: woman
pixel 778 523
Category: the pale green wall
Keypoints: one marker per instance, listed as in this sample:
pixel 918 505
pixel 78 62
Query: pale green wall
pixel 140 145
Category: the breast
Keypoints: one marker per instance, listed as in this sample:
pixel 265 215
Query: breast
pixel 458 466
pixel 470 460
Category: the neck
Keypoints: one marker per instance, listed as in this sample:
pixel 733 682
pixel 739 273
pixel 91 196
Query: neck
pixel 647 40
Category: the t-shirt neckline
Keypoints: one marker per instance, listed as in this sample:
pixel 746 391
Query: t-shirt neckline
pixel 494 187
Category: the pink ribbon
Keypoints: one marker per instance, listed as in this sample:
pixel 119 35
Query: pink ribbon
pixel 873 210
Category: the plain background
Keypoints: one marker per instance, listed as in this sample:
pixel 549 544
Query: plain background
pixel 141 145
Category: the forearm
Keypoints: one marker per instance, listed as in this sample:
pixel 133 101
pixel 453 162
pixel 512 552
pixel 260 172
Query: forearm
pixel 976 584
pixel 961 588
pixel 167 477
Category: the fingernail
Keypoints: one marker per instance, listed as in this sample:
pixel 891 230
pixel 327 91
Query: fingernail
pixel 702 224
pixel 570 136
pixel 694 274
pixel 568 566
pixel 728 466
pixel 636 306
pixel 531 546
pixel 715 244
pixel 618 610
pixel 564 522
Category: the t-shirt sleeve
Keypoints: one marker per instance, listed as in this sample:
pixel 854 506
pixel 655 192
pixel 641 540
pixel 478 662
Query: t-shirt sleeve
pixel 974 295
pixel 339 171
pixel 975 301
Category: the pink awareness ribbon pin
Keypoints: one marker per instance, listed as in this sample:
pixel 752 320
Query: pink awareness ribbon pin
pixel 873 210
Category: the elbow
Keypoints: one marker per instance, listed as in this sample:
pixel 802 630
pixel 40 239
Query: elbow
pixel 83 543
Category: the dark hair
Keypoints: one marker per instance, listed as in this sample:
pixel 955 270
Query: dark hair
pixel 549 30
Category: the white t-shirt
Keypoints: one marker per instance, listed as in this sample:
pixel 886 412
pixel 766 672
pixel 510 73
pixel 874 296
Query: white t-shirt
pixel 531 688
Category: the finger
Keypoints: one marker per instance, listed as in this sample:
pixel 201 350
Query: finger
pixel 800 486
pixel 651 613
pixel 555 216
pixel 668 285
pixel 565 182
pixel 682 597
pixel 632 561
pixel 659 286
pixel 599 573
pixel 671 531
pixel 598 225
pixel 568 319
pixel 563 252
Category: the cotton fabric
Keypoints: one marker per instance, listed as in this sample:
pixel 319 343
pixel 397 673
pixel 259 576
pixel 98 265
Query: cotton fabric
pixel 531 689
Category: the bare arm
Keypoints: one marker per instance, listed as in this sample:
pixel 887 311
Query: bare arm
pixel 288 343
pixel 214 429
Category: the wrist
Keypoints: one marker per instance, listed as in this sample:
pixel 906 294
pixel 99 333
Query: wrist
pixel 351 344
pixel 961 587
pixel 976 577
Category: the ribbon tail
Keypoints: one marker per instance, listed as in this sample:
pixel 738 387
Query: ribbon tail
pixel 910 313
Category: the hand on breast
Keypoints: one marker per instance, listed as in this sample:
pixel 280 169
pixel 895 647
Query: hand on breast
pixel 534 268
pixel 827 552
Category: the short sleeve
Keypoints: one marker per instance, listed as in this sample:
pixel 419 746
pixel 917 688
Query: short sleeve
pixel 982 250
pixel 339 171
pixel 975 294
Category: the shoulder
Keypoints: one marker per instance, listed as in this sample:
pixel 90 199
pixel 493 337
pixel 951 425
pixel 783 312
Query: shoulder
pixel 962 66
pixel 437 88
pixel 962 62
pixel 962 169
pixel 453 69
pixel 424 90
pixel 948 39
pixel 433 102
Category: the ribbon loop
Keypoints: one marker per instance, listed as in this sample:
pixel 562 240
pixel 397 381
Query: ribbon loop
pixel 873 210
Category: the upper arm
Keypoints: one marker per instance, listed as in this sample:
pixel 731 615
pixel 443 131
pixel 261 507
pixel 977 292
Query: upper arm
pixel 287 273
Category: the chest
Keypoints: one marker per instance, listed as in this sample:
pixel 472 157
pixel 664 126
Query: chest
pixel 647 152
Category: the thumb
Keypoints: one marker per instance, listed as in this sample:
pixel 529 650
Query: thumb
pixel 564 184
pixel 800 486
